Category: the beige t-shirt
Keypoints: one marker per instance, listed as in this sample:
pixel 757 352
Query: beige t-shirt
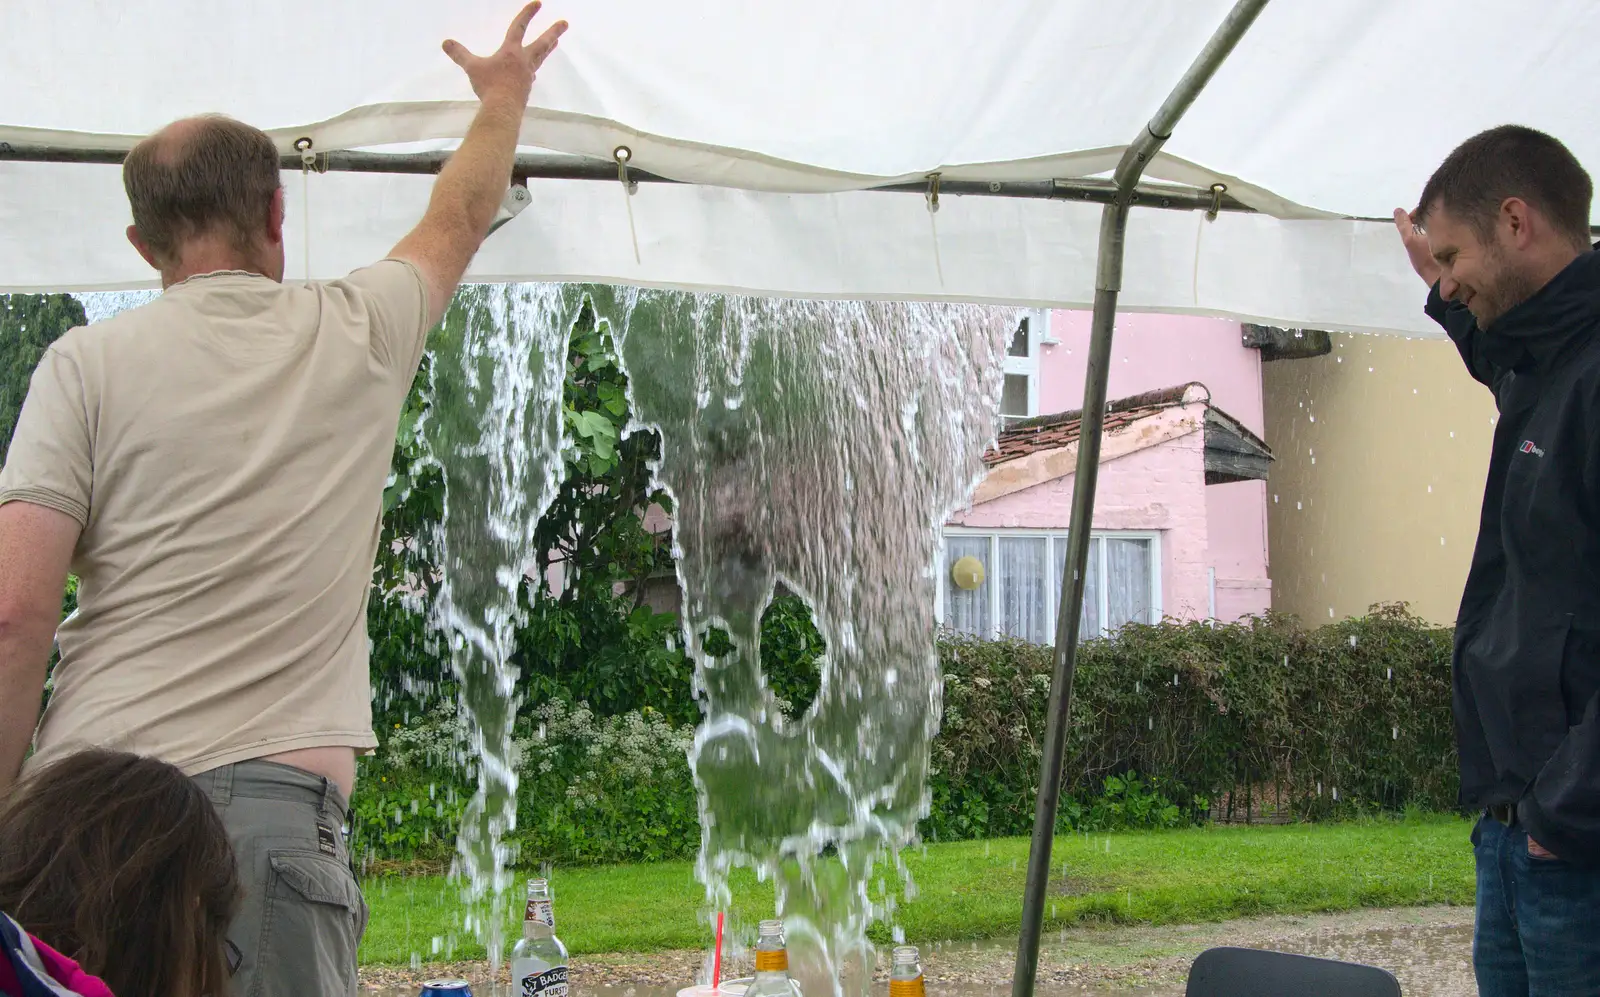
pixel 225 448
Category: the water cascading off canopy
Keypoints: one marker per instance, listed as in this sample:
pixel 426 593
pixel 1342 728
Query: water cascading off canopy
pixel 812 445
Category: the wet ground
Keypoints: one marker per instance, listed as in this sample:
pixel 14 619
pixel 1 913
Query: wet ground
pixel 1428 948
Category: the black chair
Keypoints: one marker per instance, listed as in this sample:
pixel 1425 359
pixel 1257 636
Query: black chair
pixel 1231 972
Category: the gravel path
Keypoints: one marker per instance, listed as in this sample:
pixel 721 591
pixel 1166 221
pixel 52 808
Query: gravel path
pixel 1428 948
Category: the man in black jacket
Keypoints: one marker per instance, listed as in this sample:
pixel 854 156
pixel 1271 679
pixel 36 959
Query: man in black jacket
pixel 1502 237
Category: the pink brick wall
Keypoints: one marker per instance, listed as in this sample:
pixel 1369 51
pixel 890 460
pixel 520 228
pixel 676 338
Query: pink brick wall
pixel 1158 488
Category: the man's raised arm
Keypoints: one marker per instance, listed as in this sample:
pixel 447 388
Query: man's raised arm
pixel 1452 316
pixel 36 545
pixel 469 189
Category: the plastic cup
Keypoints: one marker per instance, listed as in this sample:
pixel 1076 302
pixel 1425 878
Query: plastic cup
pixel 729 988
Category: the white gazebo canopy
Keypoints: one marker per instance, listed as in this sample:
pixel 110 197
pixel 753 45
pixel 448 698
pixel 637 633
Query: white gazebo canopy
pixel 777 116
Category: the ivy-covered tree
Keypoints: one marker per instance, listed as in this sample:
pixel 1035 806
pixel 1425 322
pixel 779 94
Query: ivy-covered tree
pixel 29 323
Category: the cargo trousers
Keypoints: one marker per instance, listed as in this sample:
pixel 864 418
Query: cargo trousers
pixel 303 915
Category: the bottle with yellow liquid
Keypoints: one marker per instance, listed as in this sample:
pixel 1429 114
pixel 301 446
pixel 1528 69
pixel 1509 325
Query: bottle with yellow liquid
pixel 905 975
pixel 772 964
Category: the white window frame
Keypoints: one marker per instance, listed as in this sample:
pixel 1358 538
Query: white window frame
pixel 1057 553
pixel 1028 366
pixel 1044 335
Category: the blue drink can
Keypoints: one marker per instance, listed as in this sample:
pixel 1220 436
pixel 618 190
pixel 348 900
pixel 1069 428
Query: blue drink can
pixel 446 988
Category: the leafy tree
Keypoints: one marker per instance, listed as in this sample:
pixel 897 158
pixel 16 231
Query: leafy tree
pixel 588 634
pixel 29 323
pixel 405 665
pixel 591 636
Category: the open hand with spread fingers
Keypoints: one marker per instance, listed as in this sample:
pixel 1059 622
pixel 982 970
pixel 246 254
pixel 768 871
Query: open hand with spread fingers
pixel 507 73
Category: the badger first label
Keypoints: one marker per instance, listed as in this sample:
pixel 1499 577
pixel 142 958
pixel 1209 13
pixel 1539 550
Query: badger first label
pixel 550 983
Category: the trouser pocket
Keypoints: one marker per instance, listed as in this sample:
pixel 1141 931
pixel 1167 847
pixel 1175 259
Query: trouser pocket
pixel 313 923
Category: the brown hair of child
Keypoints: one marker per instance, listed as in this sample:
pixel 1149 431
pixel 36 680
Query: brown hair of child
pixel 122 863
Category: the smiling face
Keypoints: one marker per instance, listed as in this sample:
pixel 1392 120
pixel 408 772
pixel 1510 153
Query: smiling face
pixel 1485 274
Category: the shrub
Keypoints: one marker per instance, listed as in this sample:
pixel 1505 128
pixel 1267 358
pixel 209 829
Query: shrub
pixel 592 789
pixel 604 789
pixel 1347 719
pixel 1351 715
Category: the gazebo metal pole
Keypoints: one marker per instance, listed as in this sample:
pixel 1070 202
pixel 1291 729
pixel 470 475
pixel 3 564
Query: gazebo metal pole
pixel 1108 282
pixel 559 166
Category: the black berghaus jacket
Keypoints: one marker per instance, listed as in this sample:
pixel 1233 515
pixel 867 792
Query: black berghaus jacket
pixel 1526 675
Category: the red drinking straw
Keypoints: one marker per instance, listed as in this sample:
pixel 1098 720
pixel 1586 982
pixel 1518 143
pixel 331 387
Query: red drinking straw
pixel 716 965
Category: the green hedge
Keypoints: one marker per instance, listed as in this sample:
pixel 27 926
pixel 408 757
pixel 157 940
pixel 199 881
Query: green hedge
pixel 1168 721
pixel 1354 715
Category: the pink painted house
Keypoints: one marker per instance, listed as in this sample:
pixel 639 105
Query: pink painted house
pixel 1180 521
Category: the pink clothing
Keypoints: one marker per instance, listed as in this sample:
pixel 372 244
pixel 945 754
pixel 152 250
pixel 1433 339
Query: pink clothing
pixel 62 971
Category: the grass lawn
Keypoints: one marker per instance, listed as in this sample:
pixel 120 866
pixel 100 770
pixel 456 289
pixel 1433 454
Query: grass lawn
pixel 973 889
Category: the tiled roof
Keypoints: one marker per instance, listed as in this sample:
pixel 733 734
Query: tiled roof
pixel 1052 432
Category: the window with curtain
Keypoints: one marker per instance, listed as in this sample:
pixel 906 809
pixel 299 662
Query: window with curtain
pixel 1023 576
pixel 1024 572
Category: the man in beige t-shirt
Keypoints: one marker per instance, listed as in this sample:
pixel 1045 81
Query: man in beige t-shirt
pixel 211 466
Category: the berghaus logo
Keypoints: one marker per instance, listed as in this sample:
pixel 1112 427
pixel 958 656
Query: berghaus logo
pixel 1529 447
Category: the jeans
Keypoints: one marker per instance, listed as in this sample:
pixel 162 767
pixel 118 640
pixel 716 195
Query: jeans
pixel 1538 923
